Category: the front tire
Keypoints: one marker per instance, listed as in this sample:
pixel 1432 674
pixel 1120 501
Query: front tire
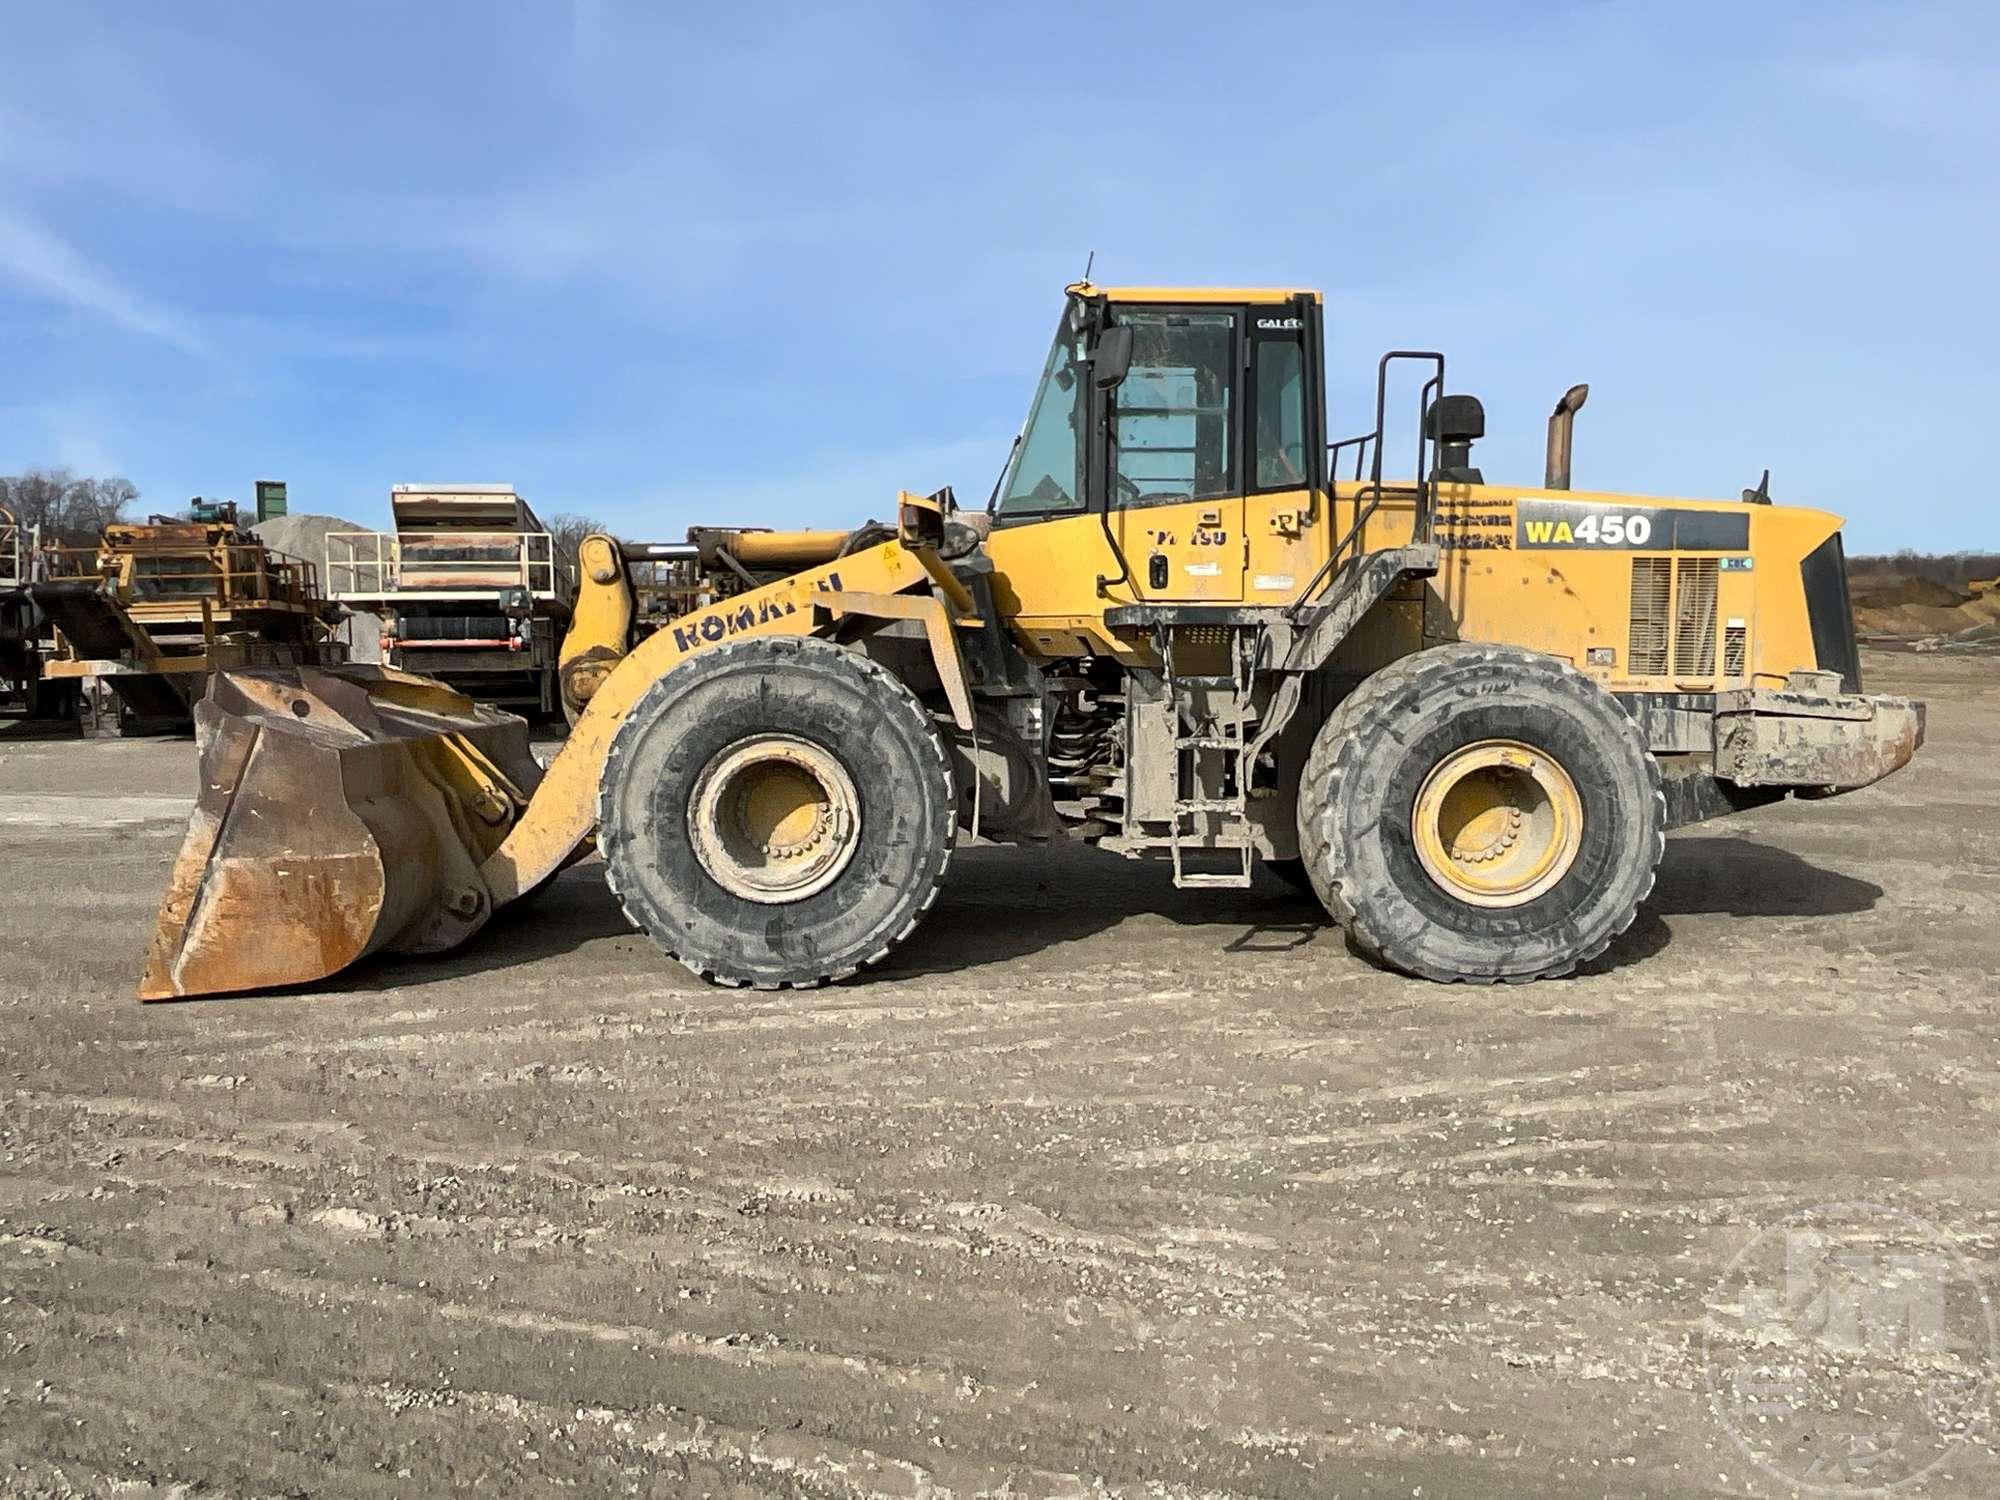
pixel 1481 813
pixel 777 813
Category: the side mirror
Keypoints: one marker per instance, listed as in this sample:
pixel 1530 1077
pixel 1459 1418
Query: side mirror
pixel 1111 357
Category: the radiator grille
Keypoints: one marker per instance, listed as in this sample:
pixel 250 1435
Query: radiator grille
pixel 1735 650
pixel 1694 617
pixel 1646 646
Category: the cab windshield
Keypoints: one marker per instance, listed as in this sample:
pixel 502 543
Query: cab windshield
pixel 1045 475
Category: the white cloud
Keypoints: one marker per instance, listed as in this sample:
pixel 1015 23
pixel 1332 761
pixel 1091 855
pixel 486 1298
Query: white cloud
pixel 38 260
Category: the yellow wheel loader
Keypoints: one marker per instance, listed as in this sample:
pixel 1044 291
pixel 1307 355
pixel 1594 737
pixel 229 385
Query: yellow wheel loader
pixel 1187 628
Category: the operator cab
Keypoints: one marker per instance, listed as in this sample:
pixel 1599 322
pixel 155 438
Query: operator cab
pixel 1154 396
pixel 1160 412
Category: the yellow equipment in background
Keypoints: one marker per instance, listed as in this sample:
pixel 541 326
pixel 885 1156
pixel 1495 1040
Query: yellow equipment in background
pixel 157 607
pixel 1188 628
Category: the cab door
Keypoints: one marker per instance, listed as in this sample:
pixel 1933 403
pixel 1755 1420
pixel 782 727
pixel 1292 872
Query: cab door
pixel 1174 453
pixel 1282 444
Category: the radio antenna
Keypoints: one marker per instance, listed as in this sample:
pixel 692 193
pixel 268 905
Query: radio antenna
pixel 1088 263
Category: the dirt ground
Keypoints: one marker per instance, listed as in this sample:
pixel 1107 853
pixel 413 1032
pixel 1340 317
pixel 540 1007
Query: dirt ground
pixel 1099 1187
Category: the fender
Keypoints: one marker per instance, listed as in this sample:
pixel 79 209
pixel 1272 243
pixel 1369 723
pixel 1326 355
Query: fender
pixel 879 582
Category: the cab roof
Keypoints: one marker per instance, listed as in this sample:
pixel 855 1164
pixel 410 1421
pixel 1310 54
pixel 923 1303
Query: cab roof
pixel 1263 294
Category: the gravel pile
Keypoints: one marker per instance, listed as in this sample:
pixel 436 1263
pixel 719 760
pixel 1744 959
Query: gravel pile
pixel 304 536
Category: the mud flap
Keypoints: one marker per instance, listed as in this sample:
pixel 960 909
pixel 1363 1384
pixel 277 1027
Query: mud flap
pixel 340 813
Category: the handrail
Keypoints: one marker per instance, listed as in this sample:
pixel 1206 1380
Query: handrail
pixel 230 574
pixel 13 561
pixel 1425 488
pixel 667 588
pixel 1360 447
pixel 379 564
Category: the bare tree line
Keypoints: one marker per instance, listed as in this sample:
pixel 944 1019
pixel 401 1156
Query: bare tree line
pixel 70 508
pixel 567 531
pixel 1954 569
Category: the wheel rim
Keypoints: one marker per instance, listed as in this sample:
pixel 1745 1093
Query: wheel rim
pixel 1497 823
pixel 774 819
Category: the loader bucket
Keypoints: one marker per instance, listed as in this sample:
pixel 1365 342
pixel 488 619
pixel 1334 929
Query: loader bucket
pixel 341 812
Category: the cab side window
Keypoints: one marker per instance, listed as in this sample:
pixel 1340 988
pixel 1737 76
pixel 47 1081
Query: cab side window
pixel 1278 431
pixel 1170 427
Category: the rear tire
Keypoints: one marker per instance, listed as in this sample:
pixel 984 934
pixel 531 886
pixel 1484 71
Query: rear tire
pixel 777 812
pixel 1545 855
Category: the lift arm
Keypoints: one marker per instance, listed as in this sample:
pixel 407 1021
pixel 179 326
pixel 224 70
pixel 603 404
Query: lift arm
pixel 878 581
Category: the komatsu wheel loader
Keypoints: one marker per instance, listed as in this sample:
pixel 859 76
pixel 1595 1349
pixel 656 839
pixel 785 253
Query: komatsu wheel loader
pixel 1188 628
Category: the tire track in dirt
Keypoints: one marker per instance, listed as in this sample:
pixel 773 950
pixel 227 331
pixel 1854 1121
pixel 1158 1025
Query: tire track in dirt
pixel 1083 1188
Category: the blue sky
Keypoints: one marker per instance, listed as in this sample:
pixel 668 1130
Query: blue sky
pixel 674 264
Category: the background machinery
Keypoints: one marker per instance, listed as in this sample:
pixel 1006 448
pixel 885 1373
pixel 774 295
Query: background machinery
pixel 157 606
pixel 22 690
pixel 632 589
pixel 471 587
pixel 1188 629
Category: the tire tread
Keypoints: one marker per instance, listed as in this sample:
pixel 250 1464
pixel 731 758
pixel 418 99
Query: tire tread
pixel 894 696
pixel 1336 754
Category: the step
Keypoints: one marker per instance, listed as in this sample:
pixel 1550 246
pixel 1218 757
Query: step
pixel 1191 849
pixel 1229 880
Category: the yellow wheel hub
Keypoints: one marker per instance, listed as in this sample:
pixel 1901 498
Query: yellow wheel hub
pixel 1497 823
pixel 774 819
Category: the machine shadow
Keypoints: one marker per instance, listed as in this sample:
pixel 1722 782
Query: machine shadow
pixel 1002 902
pixel 574 909
pixel 1734 877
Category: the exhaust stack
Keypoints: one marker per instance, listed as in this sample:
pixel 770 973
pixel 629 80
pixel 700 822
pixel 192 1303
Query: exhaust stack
pixel 1561 424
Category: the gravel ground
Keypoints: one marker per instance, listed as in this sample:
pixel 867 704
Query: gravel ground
pixel 1099 1187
